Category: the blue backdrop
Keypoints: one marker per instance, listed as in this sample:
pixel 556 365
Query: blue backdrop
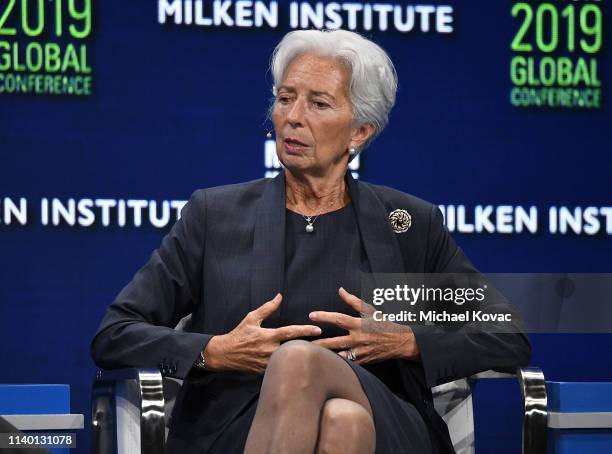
pixel 173 106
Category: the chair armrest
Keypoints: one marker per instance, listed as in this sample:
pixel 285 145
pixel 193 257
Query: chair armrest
pixel 146 396
pixel 535 413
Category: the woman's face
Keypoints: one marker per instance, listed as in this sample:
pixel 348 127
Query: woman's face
pixel 313 118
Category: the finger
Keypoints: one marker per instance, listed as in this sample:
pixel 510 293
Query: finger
pixel 294 331
pixel 266 309
pixel 356 303
pixel 342 320
pixel 336 343
pixel 344 354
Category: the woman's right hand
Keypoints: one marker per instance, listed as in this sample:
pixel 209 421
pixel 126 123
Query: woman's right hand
pixel 248 347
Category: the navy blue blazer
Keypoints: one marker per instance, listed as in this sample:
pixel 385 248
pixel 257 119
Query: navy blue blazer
pixel 225 257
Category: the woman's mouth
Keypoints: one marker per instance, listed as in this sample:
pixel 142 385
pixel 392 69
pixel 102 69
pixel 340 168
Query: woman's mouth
pixel 294 146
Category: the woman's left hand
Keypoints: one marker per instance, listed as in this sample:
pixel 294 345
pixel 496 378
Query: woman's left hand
pixel 369 340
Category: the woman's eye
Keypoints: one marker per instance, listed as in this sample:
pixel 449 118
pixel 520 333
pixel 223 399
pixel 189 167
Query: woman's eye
pixel 320 104
pixel 283 99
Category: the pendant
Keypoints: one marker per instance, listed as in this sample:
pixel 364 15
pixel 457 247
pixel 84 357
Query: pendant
pixel 309 223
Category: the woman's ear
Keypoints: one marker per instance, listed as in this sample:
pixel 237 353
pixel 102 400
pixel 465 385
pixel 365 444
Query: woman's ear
pixel 361 135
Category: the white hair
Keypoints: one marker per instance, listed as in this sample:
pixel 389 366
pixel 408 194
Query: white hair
pixel 373 77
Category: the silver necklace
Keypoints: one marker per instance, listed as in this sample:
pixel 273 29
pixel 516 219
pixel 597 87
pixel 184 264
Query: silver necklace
pixel 310 220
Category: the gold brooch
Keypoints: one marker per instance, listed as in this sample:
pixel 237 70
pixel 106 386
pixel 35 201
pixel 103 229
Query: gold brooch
pixel 400 220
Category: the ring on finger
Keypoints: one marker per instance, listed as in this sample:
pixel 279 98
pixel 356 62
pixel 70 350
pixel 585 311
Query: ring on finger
pixel 350 354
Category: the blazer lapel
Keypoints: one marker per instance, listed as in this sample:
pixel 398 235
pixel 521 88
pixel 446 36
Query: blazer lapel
pixel 268 247
pixel 380 243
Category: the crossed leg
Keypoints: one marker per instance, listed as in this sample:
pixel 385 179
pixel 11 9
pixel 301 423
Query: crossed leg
pixel 310 401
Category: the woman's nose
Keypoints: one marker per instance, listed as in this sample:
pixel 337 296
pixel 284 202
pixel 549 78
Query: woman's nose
pixel 296 113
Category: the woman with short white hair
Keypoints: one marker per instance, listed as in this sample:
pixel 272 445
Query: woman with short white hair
pixel 299 372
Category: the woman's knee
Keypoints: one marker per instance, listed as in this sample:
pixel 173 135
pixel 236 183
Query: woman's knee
pixel 294 355
pixel 344 421
pixel 294 365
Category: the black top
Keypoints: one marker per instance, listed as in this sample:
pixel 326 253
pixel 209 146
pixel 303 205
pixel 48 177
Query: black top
pixel 317 264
